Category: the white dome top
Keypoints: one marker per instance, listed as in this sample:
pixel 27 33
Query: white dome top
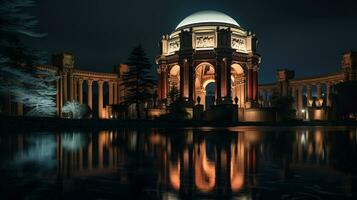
pixel 207 16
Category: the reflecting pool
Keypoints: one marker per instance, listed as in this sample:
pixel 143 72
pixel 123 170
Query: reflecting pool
pixel 207 163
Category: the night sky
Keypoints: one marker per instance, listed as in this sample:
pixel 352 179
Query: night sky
pixel 307 36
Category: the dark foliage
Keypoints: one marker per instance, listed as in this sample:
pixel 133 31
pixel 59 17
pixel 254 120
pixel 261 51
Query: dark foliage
pixel 138 82
pixel 283 107
pixel 174 94
pixel 346 98
pixel 15 24
pixel 18 79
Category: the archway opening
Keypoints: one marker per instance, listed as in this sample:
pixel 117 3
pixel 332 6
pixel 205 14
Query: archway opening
pixel 204 75
pixel 210 95
pixel 238 84
pixel 174 83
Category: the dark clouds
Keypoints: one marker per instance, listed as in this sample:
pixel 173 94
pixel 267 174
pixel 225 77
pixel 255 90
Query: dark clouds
pixel 308 36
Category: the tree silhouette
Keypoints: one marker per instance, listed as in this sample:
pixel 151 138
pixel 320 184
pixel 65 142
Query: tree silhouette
pixel 138 81
pixel 174 94
pixel 17 77
pixel 345 98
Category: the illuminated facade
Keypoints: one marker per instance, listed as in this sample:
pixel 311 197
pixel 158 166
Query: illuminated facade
pixel 206 47
pixel 312 95
pixel 73 84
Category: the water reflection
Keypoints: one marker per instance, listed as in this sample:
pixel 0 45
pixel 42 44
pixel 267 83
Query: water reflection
pixel 246 163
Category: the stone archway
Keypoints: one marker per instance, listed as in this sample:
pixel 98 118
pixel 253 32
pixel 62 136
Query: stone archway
pixel 204 74
pixel 174 76
pixel 174 81
pixel 238 84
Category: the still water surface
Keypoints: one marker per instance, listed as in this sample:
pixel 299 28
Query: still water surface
pixel 209 163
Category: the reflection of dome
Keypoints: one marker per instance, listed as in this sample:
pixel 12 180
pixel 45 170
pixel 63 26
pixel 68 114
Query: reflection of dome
pixel 207 17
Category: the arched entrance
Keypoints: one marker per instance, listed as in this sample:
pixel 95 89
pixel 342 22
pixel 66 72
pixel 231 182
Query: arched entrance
pixel 204 76
pixel 210 89
pixel 238 84
pixel 174 83
pixel 205 84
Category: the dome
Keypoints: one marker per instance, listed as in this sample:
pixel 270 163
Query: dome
pixel 206 17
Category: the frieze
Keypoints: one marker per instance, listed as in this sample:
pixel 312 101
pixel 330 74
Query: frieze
pixel 205 41
pixel 238 43
pixel 174 45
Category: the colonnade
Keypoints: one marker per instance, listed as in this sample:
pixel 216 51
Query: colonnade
pixel 309 92
pixel 70 86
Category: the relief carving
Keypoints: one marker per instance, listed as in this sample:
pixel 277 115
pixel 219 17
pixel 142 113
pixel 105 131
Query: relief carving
pixel 204 41
pixel 238 43
pixel 174 45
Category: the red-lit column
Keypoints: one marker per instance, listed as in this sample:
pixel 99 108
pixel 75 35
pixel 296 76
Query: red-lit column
pixel 250 84
pixel 191 82
pixel 184 80
pixel 164 86
pixel 162 82
pixel 228 81
pixel 159 83
pixel 218 77
pixel 255 84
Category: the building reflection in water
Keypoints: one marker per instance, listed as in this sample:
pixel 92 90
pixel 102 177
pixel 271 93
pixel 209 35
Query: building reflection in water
pixel 187 162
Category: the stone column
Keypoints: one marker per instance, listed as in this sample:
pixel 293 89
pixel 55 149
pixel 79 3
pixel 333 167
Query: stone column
pixel 64 85
pixel 227 81
pixel 120 92
pixel 309 95
pixel 319 94
pixel 159 84
pixel 75 88
pixel 318 90
pixel 115 93
pixel 71 88
pixel 80 90
pixel 250 83
pixel 100 98
pixel 218 78
pixel 185 82
pixel 90 93
pixel 110 89
pixel 328 88
pixel 58 96
pixel 300 105
pixel 255 84
pixel 293 94
pixel 164 82
pixel 191 82
pixel 60 91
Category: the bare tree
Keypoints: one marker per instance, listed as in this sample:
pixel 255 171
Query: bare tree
pixel 18 78
pixel 35 91
pixel 74 109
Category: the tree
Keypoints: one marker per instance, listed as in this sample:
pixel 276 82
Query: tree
pixel 283 106
pixel 74 109
pixel 32 87
pixel 36 91
pixel 138 81
pixel 174 94
pixel 345 99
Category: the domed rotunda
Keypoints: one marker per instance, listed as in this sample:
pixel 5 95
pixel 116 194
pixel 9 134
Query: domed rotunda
pixel 209 47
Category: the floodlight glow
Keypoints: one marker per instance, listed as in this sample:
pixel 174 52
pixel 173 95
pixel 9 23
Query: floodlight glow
pixel 207 16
